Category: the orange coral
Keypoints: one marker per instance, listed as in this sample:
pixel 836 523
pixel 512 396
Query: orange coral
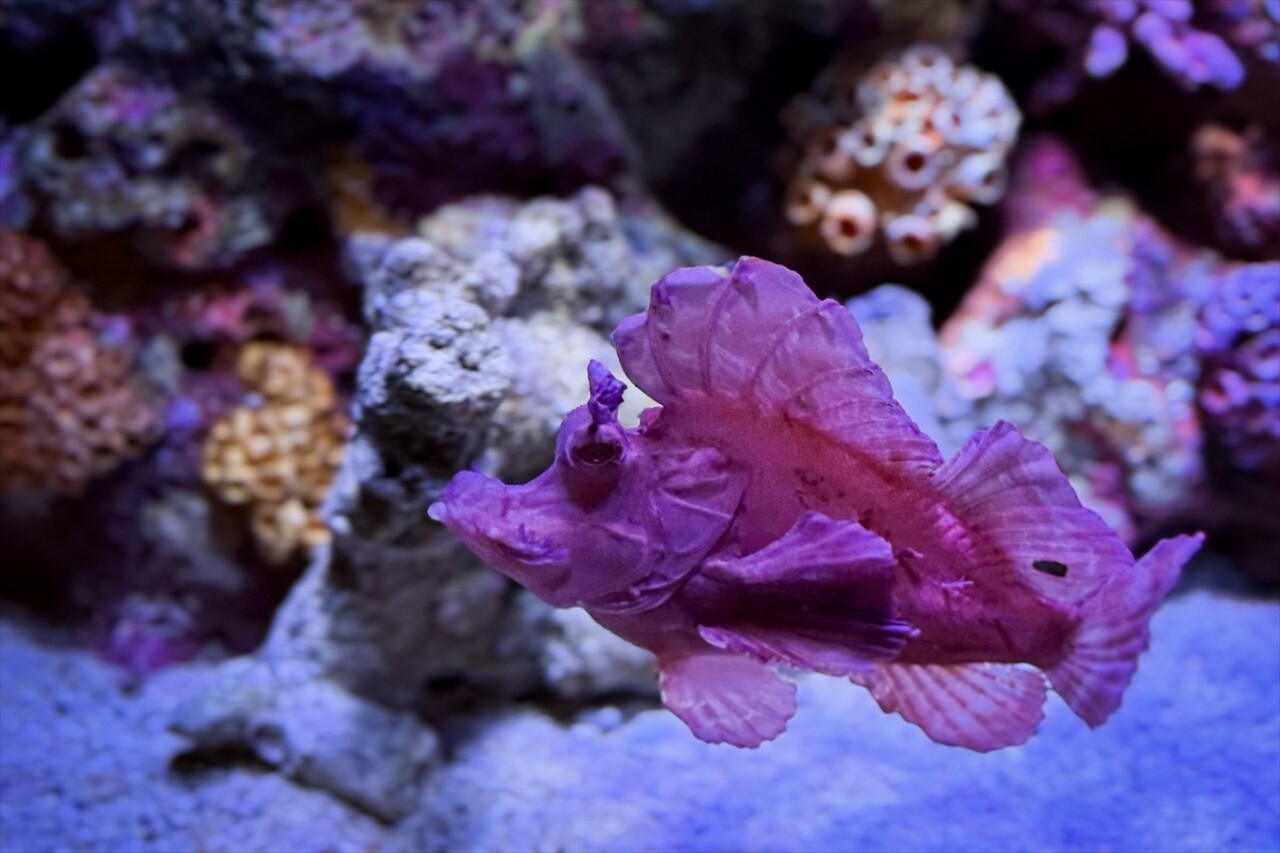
pixel 277 454
pixel 69 406
pixel 931 141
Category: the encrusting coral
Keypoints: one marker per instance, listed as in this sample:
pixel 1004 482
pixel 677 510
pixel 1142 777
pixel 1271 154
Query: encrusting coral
pixel 70 406
pixel 1076 331
pixel 124 154
pixel 1239 339
pixel 277 453
pixel 930 141
pixel 1150 368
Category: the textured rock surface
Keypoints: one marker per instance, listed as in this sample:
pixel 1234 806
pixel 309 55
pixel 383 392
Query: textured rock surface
pixel 478 347
pixel 1191 762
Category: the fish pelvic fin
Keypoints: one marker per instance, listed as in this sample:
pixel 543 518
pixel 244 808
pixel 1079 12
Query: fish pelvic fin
pixel 1114 630
pixel 818 598
pixel 726 698
pixel 979 706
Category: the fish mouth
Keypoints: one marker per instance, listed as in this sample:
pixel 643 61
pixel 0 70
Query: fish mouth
pixel 477 509
pixel 533 555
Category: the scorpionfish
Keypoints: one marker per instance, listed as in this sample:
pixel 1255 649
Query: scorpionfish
pixel 779 508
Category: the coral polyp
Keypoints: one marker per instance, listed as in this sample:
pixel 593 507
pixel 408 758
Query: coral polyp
pixel 72 406
pixel 929 143
pixel 278 452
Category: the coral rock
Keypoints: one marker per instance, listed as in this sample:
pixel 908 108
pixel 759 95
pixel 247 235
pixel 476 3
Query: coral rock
pixel 121 154
pixel 1239 338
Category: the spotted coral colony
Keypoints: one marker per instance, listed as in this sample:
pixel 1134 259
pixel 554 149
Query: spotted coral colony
pixel 931 142
pixel 71 405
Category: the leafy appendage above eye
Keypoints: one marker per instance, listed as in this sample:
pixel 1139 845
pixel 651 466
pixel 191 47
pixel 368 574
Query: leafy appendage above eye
pixel 606 394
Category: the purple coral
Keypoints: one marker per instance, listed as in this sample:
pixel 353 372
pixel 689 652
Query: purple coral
pixel 1239 339
pixel 1195 46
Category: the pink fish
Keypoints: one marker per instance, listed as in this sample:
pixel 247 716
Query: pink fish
pixel 781 508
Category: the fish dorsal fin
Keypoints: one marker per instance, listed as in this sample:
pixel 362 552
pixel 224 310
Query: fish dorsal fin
pixel 726 698
pixel 980 706
pixel 759 336
pixel 1023 514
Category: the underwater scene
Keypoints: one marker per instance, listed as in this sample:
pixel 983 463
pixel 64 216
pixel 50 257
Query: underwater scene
pixel 639 425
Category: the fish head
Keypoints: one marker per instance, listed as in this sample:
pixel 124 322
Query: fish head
pixel 616 522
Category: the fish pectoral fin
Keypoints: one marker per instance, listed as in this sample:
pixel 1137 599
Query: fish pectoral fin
pixel 645 594
pixel 725 698
pixel 817 598
pixel 817 549
pixel 980 706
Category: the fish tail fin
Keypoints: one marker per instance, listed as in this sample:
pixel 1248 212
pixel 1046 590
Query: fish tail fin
pixel 1114 630
pixel 1015 510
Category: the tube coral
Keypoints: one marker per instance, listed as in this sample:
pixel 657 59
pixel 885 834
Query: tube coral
pixel 931 141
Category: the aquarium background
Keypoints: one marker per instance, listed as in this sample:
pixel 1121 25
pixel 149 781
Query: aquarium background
pixel 272 271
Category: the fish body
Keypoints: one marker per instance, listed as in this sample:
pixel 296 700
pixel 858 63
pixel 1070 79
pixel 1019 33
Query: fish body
pixel 781 508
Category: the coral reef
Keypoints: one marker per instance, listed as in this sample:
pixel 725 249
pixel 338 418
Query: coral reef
pixel 1077 332
pixel 122 154
pixel 429 215
pixel 930 140
pixel 1239 395
pixel 71 407
pixel 1033 344
pixel 444 97
pixel 476 353
pixel 278 454
pixel 1239 340
pixel 1141 409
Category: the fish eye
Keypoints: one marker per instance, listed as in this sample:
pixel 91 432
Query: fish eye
pixel 597 453
pixel 592 455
